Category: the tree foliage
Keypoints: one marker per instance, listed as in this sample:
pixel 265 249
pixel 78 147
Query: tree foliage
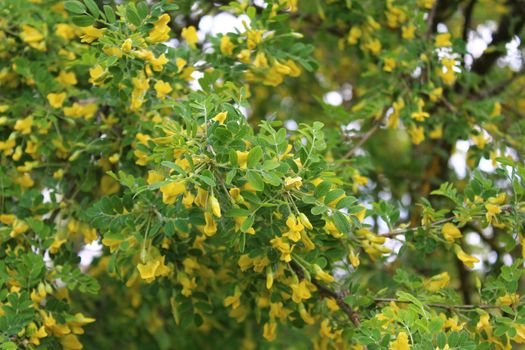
pixel 237 205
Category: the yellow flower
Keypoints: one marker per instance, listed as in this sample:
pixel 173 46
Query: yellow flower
pixel 374 46
pixel 468 260
pixel 7 219
pixel 190 35
pixel 234 300
pixel 66 78
pixel 307 318
pixel 260 60
pixel 65 31
pixel 479 140
pixel 180 63
pixel 451 232
pixel 303 219
pixel 160 31
pixel 254 38
pixel 443 40
pixel 154 177
pixel 293 182
pixel 162 88
pixel 220 117
pixel 24 125
pixel 407 32
pixel 153 268
pixel 417 134
pixel 226 45
pixel 159 62
pixel 33 37
pixel 95 74
pixel 437 282
pixel 127 45
pixel 389 65
pixel 322 275
pixel 492 211
pixel 56 100
pixel 211 226
pixel 91 34
pixel 300 292
pixel 330 227
pixel 244 56
pixel 285 248
pixel 109 185
pixel 437 133
pixel 172 190
pixel 401 342
pixel 70 342
pixel 484 323
pixel 242 159
pixel 354 259
pixel 270 330
pixel 112 51
pixel 354 35
pixel 508 299
pixel 187 199
pixel 269 277
pixel 215 206
pixel 419 116
pixel 496 111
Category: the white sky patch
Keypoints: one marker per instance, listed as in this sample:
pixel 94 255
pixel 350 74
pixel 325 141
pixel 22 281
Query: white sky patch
pixel 458 161
pixel 194 84
pixel 486 165
pixel 222 23
pixel 507 259
pixel 89 252
pixel 473 238
pixel 334 98
pixel 442 28
pixel 347 91
pixel 514 58
pixel 290 124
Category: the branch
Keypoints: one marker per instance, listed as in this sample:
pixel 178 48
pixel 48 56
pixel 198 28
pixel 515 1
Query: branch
pixel 366 136
pixel 442 306
pixel 469 9
pixel 338 297
pixel 398 232
pixel 405 230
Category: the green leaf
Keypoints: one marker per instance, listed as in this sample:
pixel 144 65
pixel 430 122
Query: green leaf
pixel 173 166
pixel 235 212
pixel 255 180
pixel 75 7
pixel 142 10
pixel 207 180
pixel 247 223
pixel 132 16
pixel 83 21
pixel 341 222
pixel 110 14
pixel 93 8
pixel 333 195
pixel 270 164
pixel 170 7
pixel 254 156
pixel 318 210
pixel 441 340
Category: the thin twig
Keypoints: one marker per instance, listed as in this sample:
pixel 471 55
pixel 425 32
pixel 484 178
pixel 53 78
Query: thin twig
pixel 442 306
pixel 430 19
pixel 338 297
pixel 405 230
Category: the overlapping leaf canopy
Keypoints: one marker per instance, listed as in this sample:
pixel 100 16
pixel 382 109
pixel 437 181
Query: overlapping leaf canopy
pixel 326 174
